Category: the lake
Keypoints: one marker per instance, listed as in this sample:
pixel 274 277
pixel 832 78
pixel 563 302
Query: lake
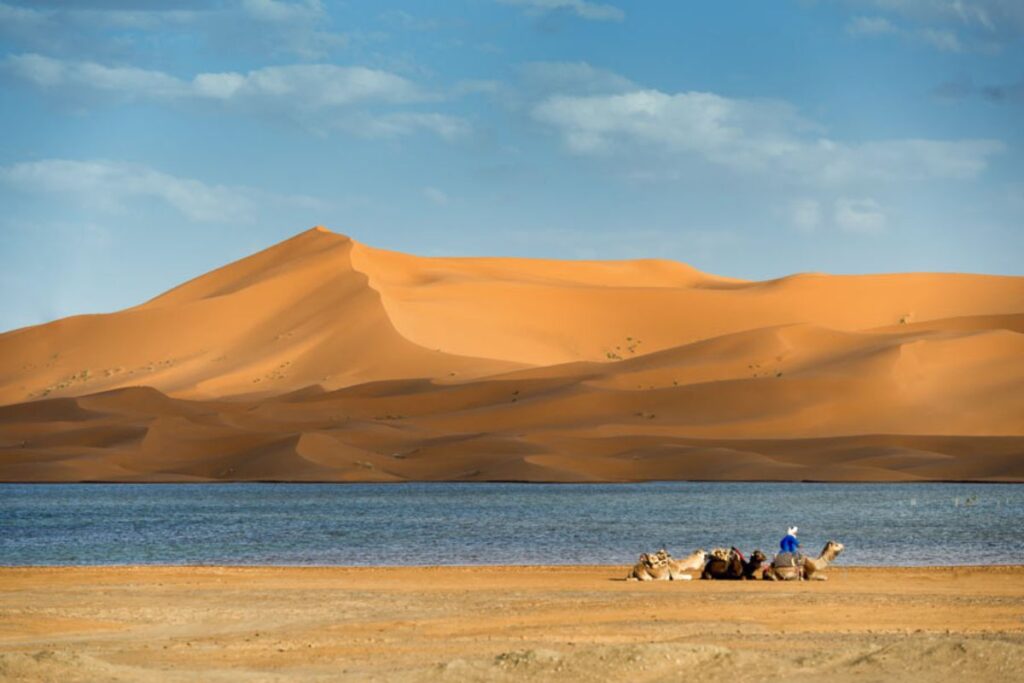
pixel 474 523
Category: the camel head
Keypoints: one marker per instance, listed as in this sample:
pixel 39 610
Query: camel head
pixel 758 557
pixel 832 550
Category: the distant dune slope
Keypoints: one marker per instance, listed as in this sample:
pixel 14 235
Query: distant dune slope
pixel 324 359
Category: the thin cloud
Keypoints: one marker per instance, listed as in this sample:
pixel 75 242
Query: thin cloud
pixel 317 85
pixel 947 41
pixel 398 124
pixel 319 96
pixel 576 78
pixel 870 26
pixel 946 25
pixel 585 10
pixel 998 93
pixel 114 187
pixel 874 27
pixel 257 26
pixel 110 186
pixel 435 196
pixel 860 216
pixel 277 11
pixel 749 136
pixel 805 215
pixel 987 15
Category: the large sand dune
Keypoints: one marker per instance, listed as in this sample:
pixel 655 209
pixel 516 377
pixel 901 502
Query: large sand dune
pixel 324 359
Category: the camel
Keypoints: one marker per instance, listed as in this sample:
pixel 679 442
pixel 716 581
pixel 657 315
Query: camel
pixel 660 566
pixel 810 569
pixel 729 568
pixel 734 566
pixel 650 567
pixel 694 562
pixel 755 568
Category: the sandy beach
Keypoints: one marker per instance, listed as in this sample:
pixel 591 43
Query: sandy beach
pixel 504 623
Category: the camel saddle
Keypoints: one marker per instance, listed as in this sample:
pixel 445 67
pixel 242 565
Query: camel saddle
pixel 788 566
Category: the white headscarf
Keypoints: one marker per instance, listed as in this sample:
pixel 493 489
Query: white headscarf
pixel 791 531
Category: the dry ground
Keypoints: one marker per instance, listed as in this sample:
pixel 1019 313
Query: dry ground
pixel 504 623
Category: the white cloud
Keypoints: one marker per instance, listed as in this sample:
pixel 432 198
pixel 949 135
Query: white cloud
pixel 309 85
pixel 990 15
pixel 947 25
pixel 294 27
pixel 21 17
pixel 860 216
pixel 805 215
pixel 583 9
pixel 46 72
pixel 751 136
pixel 320 96
pixel 110 186
pixel 906 159
pixel 326 85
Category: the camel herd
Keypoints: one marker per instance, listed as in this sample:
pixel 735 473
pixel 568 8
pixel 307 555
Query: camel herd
pixel 729 563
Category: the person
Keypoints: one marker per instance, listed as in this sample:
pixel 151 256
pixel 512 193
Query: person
pixel 788 562
pixel 789 542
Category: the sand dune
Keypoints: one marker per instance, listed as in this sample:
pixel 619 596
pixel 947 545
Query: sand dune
pixel 324 359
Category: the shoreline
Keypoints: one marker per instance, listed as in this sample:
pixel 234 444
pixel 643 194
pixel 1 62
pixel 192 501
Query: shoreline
pixel 507 623
pixel 530 482
pixel 840 566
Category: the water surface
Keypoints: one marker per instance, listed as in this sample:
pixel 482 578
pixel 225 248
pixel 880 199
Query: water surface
pixel 460 523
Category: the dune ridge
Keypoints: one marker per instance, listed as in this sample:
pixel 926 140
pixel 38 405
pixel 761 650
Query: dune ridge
pixel 321 358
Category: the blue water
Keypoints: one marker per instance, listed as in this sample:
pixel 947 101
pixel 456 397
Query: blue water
pixel 448 523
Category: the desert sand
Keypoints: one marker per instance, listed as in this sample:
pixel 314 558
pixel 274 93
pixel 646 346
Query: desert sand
pixel 505 624
pixel 323 359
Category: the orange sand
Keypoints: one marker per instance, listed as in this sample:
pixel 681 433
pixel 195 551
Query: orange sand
pixel 324 359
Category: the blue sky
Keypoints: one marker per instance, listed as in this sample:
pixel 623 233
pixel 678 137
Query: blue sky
pixel 147 142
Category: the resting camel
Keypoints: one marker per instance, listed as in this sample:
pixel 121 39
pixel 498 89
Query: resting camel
pixel 755 568
pixel 694 562
pixel 811 569
pixel 731 567
pixel 650 567
pixel 660 566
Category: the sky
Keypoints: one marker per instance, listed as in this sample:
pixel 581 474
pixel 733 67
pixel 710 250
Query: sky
pixel 145 142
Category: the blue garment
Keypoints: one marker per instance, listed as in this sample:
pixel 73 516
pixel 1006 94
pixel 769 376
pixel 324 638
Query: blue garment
pixel 789 544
